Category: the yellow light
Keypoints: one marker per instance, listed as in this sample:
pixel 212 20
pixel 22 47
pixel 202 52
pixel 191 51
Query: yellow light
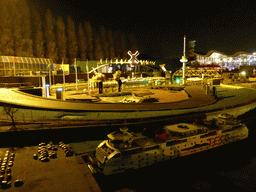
pixel 134 56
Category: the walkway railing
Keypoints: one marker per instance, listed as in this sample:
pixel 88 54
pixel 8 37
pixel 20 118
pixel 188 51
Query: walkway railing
pixel 18 85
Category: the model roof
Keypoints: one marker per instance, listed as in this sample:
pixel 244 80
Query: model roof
pixel 214 51
pixel 182 127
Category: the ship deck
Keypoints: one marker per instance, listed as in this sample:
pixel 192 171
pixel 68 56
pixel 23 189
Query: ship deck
pixel 65 114
pixel 167 101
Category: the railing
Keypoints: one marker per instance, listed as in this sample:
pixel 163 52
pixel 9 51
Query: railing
pixel 19 85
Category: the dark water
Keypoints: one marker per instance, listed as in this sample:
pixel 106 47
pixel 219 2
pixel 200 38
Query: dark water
pixel 225 168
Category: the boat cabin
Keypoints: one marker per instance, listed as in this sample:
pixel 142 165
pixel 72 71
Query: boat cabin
pixel 226 118
pixel 184 129
pixel 120 139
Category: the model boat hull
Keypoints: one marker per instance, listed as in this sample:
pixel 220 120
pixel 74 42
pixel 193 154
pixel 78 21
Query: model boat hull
pixel 144 156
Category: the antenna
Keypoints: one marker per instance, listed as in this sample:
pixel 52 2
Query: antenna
pixel 184 60
pixel 184 47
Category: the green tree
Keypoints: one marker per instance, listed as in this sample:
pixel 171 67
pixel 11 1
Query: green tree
pixel 123 48
pixel 133 45
pixel 120 45
pixel 104 42
pixel 89 38
pixel 50 40
pixel 27 44
pixel 72 41
pixel 117 44
pixel 6 38
pixel 61 39
pixel 82 43
pixel 111 45
pixel 21 29
pixel 98 48
pixel 17 24
pixel 38 37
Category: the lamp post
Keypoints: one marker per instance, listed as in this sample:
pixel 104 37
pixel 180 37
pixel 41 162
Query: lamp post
pixel 50 79
pixel 63 75
pixel 184 59
pixel 88 78
pixel 76 73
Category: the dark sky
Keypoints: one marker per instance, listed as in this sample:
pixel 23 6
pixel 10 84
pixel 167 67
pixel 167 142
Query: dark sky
pixel 159 27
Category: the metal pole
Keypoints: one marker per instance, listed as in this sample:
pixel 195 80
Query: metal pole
pixel 53 80
pixel 14 73
pixel 184 55
pixel 184 47
pixel 63 75
pixel 184 60
pixel 88 79
pixel 50 78
pixel 76 73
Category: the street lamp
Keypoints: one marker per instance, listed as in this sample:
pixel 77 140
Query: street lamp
pixel 50 79
pixel 63 75
pixel 76 73
pixel 88 77
pixel 243 73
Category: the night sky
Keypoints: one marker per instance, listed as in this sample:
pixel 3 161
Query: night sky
pixel 159 27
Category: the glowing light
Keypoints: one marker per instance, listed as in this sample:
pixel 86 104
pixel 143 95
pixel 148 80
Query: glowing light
pixel 183 59
pixel 134 56
pixel 243 73
pixel 177 80
pixel 163 67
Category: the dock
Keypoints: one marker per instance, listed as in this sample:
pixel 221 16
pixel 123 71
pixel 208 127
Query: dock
pixel 63 173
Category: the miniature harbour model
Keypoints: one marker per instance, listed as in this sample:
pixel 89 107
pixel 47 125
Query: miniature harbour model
pixel 124 150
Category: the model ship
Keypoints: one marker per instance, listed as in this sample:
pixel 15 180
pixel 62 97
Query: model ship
pixel 124 150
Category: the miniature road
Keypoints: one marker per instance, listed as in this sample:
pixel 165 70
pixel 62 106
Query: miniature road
pixel 60 174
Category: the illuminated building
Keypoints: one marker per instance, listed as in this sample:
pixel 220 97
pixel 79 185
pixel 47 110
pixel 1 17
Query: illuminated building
pixel 23 66
pixel 131 68
pixel 225 61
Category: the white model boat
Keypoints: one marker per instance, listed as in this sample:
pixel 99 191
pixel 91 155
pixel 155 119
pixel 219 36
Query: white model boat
pixel 124 150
